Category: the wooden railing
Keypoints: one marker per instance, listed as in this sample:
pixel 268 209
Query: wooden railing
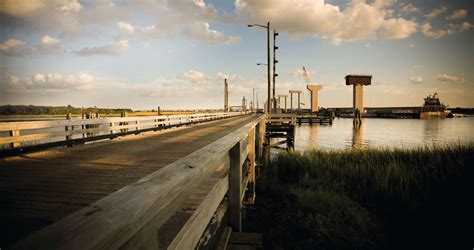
pixel 16 136
pixel 281 118
pixel 132 217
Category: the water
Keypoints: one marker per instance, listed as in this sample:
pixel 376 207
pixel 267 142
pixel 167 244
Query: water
pixel 378 132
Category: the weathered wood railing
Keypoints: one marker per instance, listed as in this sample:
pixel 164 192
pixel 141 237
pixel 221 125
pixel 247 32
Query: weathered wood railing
pixel 23 135
pixel 131 217
pixel 281 118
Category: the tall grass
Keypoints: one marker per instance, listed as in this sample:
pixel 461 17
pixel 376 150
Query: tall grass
pixel 373 198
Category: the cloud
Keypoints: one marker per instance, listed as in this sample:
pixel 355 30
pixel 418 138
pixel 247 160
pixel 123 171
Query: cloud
pixel 200 31
pixel 18 48
pixel 145 33
pixel 449 78
pixel 408 8
pixel 436 12
pixel 357 21
pixel 194 76
pixel 55 82
pixel 221 76
pixel 415 79
pixel 19 8
pixel 114 48
pixel 451 30
pixel 457 14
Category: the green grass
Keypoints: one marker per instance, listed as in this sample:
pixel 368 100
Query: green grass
pixel 367 199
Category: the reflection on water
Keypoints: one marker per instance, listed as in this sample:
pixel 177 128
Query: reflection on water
pixel 377 132
pixel 358 136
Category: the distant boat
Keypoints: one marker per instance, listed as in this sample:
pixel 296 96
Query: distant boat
pixel 433 108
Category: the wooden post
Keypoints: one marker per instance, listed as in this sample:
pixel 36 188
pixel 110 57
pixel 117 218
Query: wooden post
pixel 258 127
pixel 251 172
pixel 15 133
pixel 235 189
pixel 137 122
pixel 68 137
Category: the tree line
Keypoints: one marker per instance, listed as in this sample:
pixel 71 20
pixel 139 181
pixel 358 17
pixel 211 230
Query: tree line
pixel 55 110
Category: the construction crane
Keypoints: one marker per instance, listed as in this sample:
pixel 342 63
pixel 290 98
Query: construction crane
pixel 306 75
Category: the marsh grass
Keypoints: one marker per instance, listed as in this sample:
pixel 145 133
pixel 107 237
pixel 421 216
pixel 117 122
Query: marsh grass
pixel 367 199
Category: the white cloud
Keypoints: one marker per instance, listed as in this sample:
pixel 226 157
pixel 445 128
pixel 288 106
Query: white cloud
pixel 408 8
pixel 356 22
pixel 70 6
pixel 451 30
pixel 200 31
pixel 48 45
pixel 194 76
pixel 449 78
pixel 19 8
pixel 436 12
pixel 56 82
pixel 457 14
pixel 221 76
pixel 415 79
pixel 114 48
pixel 145 33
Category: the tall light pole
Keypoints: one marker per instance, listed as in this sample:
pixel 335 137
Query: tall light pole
pixel 268 63
pixel 275 61
pixel 253 99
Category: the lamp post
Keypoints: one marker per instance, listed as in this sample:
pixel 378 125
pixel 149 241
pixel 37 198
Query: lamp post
pixel 268 62
pixel 253 99
pixel 275 61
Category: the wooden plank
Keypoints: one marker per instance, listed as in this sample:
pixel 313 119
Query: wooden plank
pixel 113 220
pixel 254 239
pixel 235 189
pixel 224 240
pixel 191 232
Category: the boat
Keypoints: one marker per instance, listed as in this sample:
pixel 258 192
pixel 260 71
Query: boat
pixel 433 108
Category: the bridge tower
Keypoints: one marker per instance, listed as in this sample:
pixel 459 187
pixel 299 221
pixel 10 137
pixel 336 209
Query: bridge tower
pixel 358 82
pixel 314 89
pixel 226 96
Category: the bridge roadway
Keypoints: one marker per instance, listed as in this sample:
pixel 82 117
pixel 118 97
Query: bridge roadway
pixel 40 188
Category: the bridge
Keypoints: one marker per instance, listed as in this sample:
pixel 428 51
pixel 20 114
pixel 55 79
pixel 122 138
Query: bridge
pixel 167 182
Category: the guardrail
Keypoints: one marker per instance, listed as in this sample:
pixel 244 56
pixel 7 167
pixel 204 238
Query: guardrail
pixel 21 136
pixel 131 217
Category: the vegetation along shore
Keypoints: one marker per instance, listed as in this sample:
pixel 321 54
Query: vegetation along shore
pixel 367 199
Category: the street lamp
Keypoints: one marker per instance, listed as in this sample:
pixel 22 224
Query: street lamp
pixel 275 61
pixel 253 99
pixel 268 62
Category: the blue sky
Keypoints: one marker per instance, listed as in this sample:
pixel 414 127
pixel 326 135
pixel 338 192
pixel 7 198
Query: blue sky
pixel 142 54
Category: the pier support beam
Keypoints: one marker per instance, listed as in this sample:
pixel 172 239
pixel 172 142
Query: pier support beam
pixel 358 82
pixel 299 100
pixel 314 89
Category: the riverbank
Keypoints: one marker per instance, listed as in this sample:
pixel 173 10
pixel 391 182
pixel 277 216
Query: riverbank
pixel 367 199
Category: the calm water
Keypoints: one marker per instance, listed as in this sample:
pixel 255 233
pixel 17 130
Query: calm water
pixel 376 132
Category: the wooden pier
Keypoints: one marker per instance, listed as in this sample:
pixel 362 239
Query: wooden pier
pixel 310 119
pixel 280 126
pixel 166 189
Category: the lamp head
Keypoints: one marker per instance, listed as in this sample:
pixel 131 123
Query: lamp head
pixel 249 25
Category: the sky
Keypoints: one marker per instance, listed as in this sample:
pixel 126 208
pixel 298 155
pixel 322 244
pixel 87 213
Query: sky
pixel 175 54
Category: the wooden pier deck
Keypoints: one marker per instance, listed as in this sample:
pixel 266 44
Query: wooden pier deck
pixel 40 188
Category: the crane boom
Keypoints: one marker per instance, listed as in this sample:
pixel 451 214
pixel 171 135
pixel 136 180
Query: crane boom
pixel 306 75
